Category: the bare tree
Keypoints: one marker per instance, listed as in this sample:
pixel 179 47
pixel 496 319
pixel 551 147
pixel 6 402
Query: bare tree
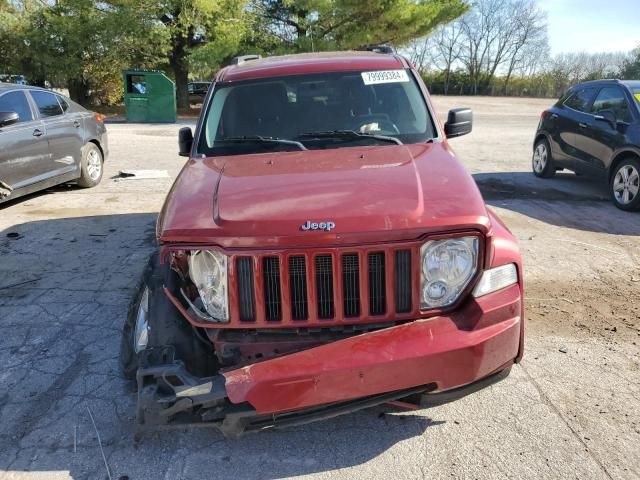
pixel 580 66
pixel 530 38
pixel 446 48
pixel 499 41
pixel 420 54
pixel 496 34
pixel 480 29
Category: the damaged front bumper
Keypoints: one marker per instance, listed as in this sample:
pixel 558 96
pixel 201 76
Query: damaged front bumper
pixel 442 358
pixel 169 396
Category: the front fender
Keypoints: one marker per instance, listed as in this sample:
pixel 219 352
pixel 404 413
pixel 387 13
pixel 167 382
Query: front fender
pixel 502 248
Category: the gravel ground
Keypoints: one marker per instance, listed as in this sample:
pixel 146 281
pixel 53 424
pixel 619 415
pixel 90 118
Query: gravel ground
pixel 570 410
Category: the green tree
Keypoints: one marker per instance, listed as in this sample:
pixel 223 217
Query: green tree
pixel 80 44
pixel 201 33
pixel 15 55
pixel 306 25
pixel 631 66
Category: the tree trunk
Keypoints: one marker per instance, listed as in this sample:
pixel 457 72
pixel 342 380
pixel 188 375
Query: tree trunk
pixel 446 80
pixel 508 77
pixel 181 74
pixel 178 63
pixel 506 83
pixel 78 90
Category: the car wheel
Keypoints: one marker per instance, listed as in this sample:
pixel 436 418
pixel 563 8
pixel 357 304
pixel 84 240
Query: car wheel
pixel 135 333
pixel 542 163
pixel 625 184
pixel 154 321
pixel 91 166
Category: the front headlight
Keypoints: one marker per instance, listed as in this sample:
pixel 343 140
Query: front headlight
pixel 447 268
pixel 208 271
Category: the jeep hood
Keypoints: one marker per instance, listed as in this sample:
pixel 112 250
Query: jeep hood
pixel 378 193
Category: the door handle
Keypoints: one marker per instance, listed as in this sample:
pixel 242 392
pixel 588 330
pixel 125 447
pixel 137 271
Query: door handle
pixel 583 125
pixel 76 123
pixel 554 115
pixel 38 133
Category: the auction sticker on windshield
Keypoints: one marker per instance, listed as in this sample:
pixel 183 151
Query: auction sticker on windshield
pixel 384 76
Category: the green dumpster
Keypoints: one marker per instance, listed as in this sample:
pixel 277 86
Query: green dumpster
pixel 149 96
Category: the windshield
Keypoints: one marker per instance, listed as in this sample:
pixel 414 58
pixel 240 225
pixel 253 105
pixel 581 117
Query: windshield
pixel 329 110
pixel 636 93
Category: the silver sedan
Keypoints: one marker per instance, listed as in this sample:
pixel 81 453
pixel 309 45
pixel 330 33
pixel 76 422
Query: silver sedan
pixel 46 139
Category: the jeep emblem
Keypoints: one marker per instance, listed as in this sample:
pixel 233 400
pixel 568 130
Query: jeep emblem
pixel 328 226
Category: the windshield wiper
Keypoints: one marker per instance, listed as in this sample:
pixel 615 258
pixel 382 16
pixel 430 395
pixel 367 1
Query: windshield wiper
pixel 350 134
pixel 260 139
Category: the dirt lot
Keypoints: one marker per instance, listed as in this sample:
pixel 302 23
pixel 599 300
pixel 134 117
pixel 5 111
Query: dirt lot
pixel 570 410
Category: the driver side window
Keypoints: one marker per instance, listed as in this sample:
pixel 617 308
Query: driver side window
pixel 612 98
pixel 16 102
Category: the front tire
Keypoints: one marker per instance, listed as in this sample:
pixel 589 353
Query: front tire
pixel 624 185
pixel 542 162
pixel 163 325
pixel 136 327
pixel 91 166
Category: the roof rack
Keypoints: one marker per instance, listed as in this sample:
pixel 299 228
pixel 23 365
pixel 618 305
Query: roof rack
pixel 244 58
pixel 388 49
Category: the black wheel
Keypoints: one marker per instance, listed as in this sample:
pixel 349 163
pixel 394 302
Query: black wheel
pixel 167 326
pixel 91 166
pixel 625 184
pixel 542 163
pixel 135 334
pixel 154 321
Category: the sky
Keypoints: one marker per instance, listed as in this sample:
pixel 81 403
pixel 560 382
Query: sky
pixel 592 25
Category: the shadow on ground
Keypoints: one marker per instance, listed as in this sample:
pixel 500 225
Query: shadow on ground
pixel 566 200
pixel 65 285
pixel 63 187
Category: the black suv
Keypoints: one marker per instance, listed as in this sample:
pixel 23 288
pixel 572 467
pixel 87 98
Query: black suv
pixel 594 129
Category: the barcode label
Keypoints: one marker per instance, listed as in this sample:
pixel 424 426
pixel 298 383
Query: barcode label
pixel 384 76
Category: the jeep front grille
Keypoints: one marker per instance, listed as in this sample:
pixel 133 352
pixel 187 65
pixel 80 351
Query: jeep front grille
pixel 298 287
pixel 246 300
pixel 377 290
pixel 272 298
pixel 324 288
pixel 351 285
pixel 403 281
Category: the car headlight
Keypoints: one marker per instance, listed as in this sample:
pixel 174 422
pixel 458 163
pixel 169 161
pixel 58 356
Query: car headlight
pixel 496 279
pixel 208 271
pixel 447 268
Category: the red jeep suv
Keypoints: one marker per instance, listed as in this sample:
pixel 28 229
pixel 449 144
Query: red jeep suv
pixel 323 250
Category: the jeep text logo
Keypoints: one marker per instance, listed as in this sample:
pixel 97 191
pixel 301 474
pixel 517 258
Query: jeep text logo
pixel 328 226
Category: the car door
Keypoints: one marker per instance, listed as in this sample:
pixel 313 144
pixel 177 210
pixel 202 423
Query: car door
pixel 63 132
pixel 597 138
pixel 575 112
pixel 24 154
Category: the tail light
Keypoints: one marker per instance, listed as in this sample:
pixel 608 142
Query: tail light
pixel 99 117
pixel 545 114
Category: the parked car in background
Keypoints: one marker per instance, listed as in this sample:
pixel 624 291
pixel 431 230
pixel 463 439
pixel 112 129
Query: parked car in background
pixel 17 79
pixel 594 129
pixel 197 91
pixel 47 139
pixel 322 251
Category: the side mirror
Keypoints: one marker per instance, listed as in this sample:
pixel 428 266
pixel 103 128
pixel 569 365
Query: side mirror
pixel 185 141
pixel 8 118
pixel 608 116
pixel 459 122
